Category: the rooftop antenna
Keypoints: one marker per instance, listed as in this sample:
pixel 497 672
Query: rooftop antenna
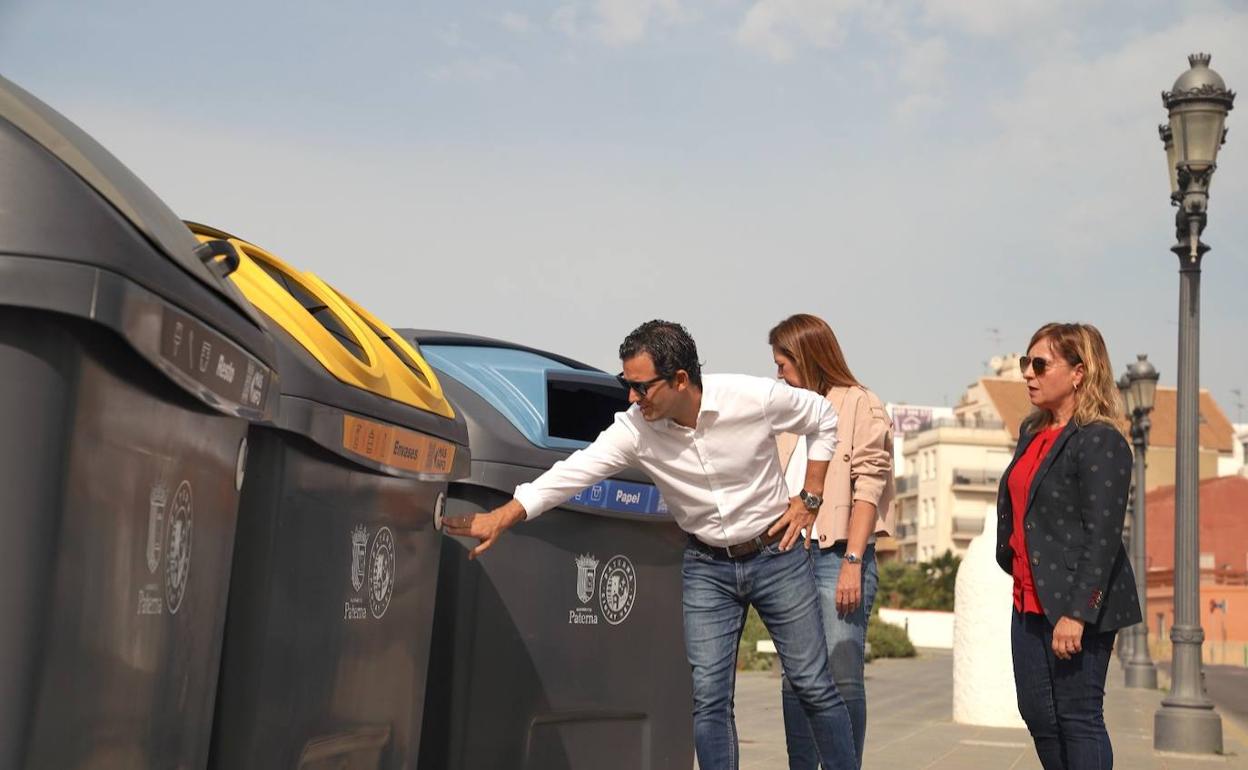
pixel 996 337
pixel 1239 404
pixel 994 334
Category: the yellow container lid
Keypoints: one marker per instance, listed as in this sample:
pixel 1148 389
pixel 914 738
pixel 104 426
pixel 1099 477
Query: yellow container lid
pixel 410 373
pixel 348 341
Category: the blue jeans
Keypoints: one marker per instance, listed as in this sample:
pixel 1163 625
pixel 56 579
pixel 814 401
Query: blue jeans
pixel 1062 701
pixel 781 586
pixel 847 637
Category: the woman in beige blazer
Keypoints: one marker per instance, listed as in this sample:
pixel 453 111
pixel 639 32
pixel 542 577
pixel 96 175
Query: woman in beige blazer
pixel 856 509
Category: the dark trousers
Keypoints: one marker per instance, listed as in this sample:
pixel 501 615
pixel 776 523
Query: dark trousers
pixel 1062 701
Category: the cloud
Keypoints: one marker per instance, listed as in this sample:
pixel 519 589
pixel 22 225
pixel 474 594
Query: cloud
pixel 622 22
pixel 776 28
pixel 485 69
pixel 515 22
pixel 923 64
pixel 618 22
pixel 567 19
pixel 996 18
pixel 922 72
pixel 450 36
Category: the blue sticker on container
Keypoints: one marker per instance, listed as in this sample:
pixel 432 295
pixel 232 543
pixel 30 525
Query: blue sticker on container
pixel 623 496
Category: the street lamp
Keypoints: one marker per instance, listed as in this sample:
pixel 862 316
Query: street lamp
pixel 1141 392
pixel 1198 105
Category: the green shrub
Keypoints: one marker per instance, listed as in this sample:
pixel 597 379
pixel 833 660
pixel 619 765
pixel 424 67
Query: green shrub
pixel 887 640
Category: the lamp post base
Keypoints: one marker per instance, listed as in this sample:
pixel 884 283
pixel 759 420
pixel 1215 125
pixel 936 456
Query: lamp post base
pixel 1186 729
pixel 1141 675
pixel 1125 653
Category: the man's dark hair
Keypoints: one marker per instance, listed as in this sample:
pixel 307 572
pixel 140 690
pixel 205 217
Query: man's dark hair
pixel 669 346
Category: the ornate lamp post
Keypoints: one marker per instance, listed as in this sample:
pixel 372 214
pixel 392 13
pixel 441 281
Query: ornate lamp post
pixel 1141 393
pixel 1198 105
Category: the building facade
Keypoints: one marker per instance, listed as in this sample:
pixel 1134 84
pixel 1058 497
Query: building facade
pixel 953 470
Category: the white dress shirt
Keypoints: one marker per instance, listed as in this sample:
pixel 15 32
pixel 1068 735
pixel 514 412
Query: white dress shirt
pixel 721 480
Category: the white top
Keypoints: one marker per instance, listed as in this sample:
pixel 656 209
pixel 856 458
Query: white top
pixel 795 471
pixel 795 479
pixel 722 480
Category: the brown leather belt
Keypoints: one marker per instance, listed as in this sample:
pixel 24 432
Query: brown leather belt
pixel 739 551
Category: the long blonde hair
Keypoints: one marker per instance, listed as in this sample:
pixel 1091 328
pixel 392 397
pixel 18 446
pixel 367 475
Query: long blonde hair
pixel 814 349
pixel 1098 399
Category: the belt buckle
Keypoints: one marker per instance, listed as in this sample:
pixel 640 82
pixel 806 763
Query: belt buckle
pixel 749 547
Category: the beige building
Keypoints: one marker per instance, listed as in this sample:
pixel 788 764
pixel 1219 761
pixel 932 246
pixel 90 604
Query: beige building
pixel 908 420
pixel 954 468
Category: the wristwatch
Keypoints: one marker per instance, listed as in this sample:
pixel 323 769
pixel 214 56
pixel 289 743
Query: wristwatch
pixel 853 558
pixel 812 502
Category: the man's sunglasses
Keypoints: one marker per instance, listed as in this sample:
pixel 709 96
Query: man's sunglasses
pixel 640 388
pixel 1038 365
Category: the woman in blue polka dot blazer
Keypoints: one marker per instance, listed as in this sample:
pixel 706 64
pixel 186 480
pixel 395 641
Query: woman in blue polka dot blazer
pixel 1060 512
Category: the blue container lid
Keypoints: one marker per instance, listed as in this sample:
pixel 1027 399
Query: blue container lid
pixel 554 402
pixel 518 383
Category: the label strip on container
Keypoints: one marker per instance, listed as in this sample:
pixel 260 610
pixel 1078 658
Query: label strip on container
pixel 397 447
pixel 213 362
pixel 622 496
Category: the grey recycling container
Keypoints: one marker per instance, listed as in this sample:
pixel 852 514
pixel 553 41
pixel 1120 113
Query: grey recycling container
pixel 131 370
pixel 335 563
pixel 562 646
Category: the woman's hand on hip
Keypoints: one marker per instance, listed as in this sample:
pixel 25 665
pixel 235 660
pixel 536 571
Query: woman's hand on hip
pixel 1067 637
pixel 848 588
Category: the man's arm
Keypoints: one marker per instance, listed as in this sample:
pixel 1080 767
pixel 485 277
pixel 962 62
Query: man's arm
pixel 806 413
pixel 613 451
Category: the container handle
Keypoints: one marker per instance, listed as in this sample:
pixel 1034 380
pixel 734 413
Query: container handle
pixel 219 255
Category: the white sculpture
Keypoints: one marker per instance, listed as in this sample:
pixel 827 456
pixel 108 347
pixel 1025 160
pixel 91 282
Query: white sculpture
pixel 983 670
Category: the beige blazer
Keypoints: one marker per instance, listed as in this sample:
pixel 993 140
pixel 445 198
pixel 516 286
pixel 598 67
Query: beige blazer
pixel 861 469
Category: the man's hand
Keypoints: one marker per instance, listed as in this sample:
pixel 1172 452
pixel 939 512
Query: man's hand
pixel 1067 637
pixel 485 527
pixel 848 588
pixel 795 519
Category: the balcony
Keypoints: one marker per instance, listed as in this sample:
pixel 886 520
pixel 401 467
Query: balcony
pixel 907 532
pixel 959 422
pixel 967 527
pixel 976 480
pixel 908 485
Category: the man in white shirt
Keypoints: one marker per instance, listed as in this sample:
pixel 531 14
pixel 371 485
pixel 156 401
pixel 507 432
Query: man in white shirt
pixel 710 449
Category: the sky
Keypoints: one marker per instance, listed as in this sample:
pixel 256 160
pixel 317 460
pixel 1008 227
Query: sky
pixel 935 178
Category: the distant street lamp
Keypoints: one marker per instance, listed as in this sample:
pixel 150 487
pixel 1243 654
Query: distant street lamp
pixel 1198 105
pixel 1141 393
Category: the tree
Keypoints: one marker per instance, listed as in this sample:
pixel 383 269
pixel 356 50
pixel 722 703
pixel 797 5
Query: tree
pixel 927 585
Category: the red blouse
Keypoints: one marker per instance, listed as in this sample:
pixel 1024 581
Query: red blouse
pixel 1025 599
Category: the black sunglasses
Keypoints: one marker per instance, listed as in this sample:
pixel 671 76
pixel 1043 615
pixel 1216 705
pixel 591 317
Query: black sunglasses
pixel 640 388
pixel 1038 365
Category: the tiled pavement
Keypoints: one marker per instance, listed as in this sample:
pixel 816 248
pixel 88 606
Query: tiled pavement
pixel 910 706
